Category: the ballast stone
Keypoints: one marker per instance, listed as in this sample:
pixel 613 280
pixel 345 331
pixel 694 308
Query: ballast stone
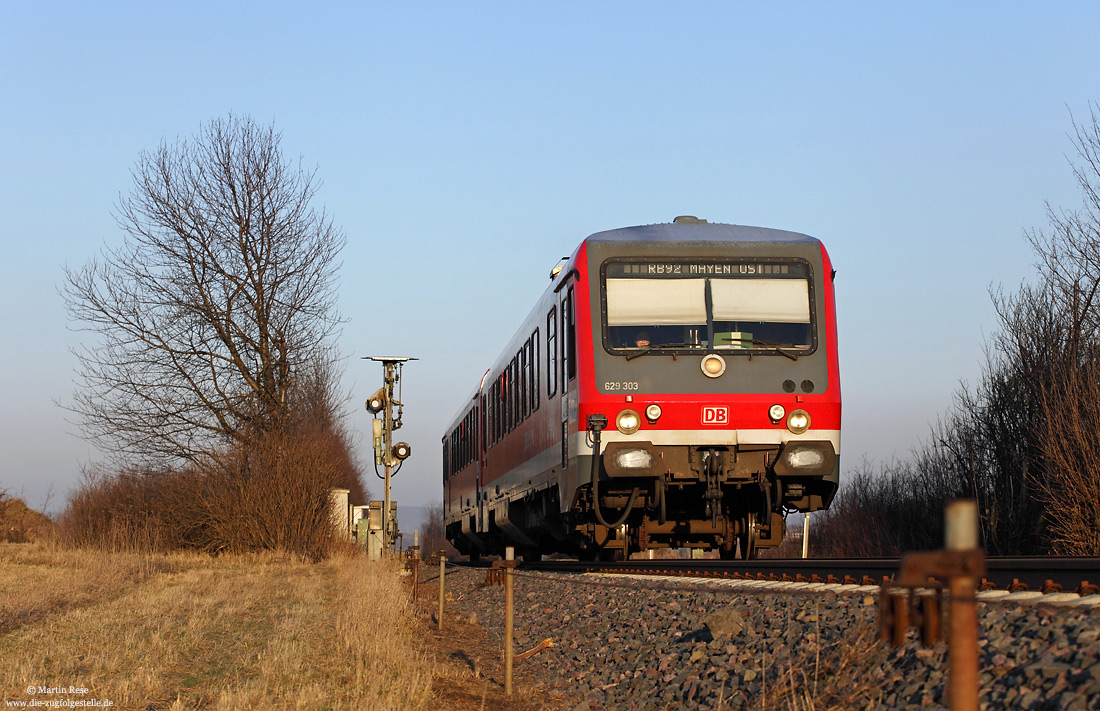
pixel 725 623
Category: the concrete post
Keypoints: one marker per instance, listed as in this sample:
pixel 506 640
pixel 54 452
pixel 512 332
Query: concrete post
pixel 341 518
pixel 961 534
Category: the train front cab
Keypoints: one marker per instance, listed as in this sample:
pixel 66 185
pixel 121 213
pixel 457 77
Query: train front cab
pixel 714 391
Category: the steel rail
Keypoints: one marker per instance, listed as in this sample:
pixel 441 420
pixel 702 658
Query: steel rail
pixel 1042 573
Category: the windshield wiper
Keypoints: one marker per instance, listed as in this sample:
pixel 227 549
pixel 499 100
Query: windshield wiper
pixel 777 347
pixel 648 349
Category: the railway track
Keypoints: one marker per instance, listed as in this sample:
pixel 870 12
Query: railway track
pixel 620 642
pixel 1046 574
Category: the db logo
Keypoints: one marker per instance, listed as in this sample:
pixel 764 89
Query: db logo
pixel 716 416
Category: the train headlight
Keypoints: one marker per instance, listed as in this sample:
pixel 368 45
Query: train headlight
pixel 631 459
pixel 713 365
pixel 653 413
pixel 806 459
pixel 628 422
pixel 776 413
pixel 634 459
pixel 798 421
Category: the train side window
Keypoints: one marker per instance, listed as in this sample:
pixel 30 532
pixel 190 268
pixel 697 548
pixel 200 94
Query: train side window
pixel 552 352
pixel 446 460
pixel 467 431
pixel 505 402
pixel 498 403
pixel 528 366
pixel 494 411
pixel 505 426
pixel 498 415
pixel 482 429
pixel 462 443
pixel 534 387
pixel 525 370
pixel 502 403
pixel 509 388
pixel 487 408
pixel 513 401
pixel 569 336
pixel 471 433
pixel 490 419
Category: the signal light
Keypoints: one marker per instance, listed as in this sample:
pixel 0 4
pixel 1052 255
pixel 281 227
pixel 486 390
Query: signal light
pixel 377 401
pixel 401 451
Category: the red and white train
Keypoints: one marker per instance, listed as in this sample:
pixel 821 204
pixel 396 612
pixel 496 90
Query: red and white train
pixel 676 385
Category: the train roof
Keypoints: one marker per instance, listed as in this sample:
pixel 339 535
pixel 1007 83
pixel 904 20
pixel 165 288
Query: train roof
pixel 702 232
pixel 683 231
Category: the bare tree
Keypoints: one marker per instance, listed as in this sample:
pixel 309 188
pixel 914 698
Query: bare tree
pixel 1023 442
pixel 222 291
pixel 433 536
pixel 1066 306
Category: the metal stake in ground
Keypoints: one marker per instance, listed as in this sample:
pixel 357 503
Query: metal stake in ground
pixel 509 554
pixel 442 572
pixel 806 535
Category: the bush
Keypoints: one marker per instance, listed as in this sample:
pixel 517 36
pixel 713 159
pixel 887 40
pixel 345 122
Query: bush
pixel 1023 442
pixel 20 523
pixel 270 493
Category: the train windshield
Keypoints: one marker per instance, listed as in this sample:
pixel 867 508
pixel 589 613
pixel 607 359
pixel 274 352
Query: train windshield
pixel 749 307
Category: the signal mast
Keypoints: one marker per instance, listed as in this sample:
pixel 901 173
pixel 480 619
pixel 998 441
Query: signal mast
pixel 386 454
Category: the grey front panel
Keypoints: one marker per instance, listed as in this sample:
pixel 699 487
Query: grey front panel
pixel 659 373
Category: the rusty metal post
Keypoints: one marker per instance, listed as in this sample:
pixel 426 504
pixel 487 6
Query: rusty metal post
pixel 412 566
pixel 961 534
pixel 509 554
pixel 442 572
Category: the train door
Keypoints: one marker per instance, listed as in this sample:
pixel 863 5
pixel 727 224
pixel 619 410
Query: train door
pixel 568 368
pixel 482 438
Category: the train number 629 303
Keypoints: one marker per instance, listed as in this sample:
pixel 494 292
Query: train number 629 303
pixel 613 385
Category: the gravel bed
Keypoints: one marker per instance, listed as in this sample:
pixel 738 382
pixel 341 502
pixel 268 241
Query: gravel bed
pixel 624 645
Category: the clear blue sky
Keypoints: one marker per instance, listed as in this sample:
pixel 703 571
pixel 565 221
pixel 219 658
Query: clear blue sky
pixel 465 147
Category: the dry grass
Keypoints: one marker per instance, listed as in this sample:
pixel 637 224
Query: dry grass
pixel 842 675
pixel 187 631
pixel 37 582
pixel 469 669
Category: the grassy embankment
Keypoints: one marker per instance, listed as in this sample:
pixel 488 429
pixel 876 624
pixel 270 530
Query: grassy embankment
pixel 184 631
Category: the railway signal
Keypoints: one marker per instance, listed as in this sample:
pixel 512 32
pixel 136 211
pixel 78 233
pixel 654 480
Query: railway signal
pixel 388 455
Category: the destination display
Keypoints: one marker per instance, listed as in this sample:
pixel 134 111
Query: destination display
pixel 687 269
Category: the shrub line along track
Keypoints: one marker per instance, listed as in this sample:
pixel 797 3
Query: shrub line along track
pixel 1039 574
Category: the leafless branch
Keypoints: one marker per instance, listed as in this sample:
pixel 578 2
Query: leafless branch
pixel 220 295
